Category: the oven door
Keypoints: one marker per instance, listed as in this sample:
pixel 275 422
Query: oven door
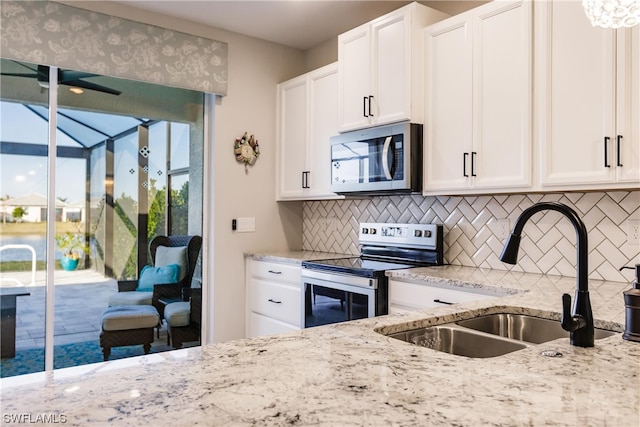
pixel 333 298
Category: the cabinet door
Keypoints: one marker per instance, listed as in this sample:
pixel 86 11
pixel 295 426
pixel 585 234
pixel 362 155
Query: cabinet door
pixel 627 149
pixel 416 296
pixel 502 95
pixel 448 104
pixel 576 71
pixel 292 138
pixel 260 326
pixel 354 78
pixel 275 300
pixel 275 272
pixel 391 68
pixel 323 124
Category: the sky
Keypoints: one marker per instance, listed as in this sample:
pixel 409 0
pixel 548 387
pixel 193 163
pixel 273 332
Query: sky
pixel 20 175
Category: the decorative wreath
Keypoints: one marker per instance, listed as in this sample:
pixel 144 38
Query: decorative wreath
pixel 246 150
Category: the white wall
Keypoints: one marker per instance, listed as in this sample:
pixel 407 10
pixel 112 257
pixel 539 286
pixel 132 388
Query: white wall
pixel 255 67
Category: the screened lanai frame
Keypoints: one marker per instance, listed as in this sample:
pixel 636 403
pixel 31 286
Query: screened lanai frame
pixel 97 131
pixel 78 127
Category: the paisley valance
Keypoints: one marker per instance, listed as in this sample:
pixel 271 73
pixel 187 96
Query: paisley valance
pixel 49 33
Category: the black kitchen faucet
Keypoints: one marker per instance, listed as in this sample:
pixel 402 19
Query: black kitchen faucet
pixel 580 322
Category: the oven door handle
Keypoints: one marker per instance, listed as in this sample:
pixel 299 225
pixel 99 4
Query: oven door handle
pixel 385 158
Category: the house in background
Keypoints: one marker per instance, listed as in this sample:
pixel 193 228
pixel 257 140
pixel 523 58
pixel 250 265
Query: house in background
pixel 35 208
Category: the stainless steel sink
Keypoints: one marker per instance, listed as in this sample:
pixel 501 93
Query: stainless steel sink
pixel 459 341
pixel 523 327
pixel 489 336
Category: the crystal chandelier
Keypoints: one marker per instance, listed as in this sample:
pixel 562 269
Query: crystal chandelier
pixel 612 13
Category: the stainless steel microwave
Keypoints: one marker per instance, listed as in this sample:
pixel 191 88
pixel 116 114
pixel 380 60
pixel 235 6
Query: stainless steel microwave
pixel 380 160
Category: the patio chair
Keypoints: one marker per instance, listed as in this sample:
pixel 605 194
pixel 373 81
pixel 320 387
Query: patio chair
pixel 184 318
pixel 165 251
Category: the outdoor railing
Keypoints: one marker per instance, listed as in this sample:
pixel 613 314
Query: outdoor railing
pixel 33 263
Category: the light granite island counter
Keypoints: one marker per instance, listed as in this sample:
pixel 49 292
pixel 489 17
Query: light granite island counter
pixel 349 374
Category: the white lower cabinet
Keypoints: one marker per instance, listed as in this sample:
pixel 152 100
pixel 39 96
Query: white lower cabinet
pixel 260 326
pixel 417 295
pixel 273 298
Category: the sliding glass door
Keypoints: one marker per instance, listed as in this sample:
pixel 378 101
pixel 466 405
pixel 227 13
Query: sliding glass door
pixel 87 187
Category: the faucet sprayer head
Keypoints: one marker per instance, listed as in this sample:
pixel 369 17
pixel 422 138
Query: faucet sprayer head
pixel 510 250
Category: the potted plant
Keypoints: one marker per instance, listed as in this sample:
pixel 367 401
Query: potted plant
pixel 73 247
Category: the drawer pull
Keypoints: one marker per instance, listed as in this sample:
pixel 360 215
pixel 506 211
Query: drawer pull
pixel 275 272
pixel 442 302
pixel 274 301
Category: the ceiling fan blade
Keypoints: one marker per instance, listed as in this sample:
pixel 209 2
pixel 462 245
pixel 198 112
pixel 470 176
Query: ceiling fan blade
pixel 30 75
pixel 91 86
pixel 68 75
pixel 25 66
pixel 33 74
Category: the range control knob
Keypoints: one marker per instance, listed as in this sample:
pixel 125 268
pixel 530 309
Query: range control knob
pixel 372 230
pixel 417 233
pixel 365 230
pixel 427 233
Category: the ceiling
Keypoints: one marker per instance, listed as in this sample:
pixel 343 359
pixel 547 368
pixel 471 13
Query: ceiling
pixel 301 24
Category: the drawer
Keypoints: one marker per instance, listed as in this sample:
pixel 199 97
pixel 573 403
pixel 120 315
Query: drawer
pixel 406 295
pixel 281 302
pixel 282 273
pixel 260 325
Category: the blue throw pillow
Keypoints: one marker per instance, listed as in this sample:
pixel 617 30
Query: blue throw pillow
pixel 150 276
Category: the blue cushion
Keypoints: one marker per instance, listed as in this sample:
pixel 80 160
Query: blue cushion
pixel 150 276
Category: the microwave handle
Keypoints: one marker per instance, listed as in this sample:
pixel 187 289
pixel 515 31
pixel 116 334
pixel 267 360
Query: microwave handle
pixel 385 158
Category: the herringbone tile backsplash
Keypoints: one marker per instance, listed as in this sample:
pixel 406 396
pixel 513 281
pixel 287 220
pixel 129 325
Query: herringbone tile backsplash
pixel 471 229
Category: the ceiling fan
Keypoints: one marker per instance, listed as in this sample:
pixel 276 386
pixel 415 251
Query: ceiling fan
pixel 65 77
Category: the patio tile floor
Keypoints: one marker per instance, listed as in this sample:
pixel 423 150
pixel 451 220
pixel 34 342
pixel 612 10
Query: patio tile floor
pixel 80 299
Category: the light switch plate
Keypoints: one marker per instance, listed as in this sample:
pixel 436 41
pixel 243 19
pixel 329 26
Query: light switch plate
pixel 246 225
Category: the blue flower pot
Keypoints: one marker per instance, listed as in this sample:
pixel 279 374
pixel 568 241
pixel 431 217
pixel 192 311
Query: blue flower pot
pixel 69 264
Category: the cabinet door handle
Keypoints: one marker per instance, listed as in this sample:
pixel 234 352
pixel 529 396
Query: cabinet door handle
pixel 370 98
pixel 442 302
pixel 274 272
pixel 473 163
pixel 464 164
pixel 606 152
pixel 305 179
pixel 364 106
pixel 619 141
pixel 274 301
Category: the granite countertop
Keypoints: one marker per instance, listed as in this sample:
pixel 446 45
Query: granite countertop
pixel 348 374
pixel 295 257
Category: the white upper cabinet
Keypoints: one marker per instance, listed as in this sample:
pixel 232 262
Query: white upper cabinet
pixel 478 101
pixel 448 102
pixel 307 118
pixel 627 155
pixel 381 69
pixel 588 117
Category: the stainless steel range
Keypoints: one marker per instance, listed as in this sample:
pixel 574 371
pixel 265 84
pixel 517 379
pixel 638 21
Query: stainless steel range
pixel 337 290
